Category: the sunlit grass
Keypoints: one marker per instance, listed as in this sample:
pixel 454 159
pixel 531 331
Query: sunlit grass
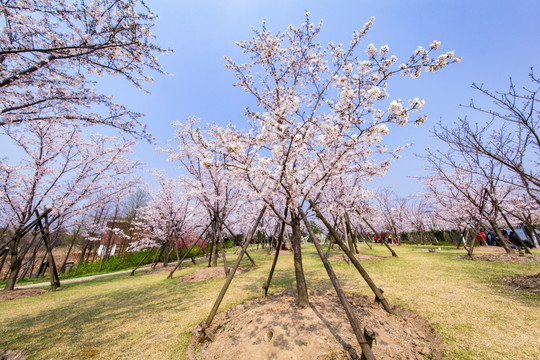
pixel 149 317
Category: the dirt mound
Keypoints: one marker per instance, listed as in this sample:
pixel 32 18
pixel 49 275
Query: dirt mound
pixel 358 257
pixel 275 328
pixel 503 258
pixel 19 293
pixel 12 355
pixel 526 282
pixel 209 273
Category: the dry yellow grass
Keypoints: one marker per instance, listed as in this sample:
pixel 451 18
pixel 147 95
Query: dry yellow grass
pixel 148 317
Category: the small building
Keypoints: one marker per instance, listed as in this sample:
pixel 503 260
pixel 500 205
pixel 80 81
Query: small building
pixel 116 236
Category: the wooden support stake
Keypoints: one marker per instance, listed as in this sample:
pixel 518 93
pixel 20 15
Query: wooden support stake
pixel 355 262
pixel 206 324
pixel 367 352
pixel 266 285
pixel 383 240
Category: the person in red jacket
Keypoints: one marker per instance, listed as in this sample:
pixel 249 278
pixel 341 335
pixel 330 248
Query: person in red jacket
pixel 481 238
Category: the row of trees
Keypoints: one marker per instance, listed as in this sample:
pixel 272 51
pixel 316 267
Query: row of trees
pixel 488 177
pixel 60 169
pixel 314 137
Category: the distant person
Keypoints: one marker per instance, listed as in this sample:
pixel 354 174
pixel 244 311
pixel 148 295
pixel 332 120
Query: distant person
pixel 492 237
pixel 481 238
pixel 514 239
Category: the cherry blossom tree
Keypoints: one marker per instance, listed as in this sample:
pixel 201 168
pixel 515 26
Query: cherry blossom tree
pixel 323 113
pixel 207 181
pixel 61 171
pixel 52 51
pixel 165 219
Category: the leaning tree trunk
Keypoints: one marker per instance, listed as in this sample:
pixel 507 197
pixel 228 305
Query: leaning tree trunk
pixel 45 234
pixel 500 238
pixel 525 247
pixel 15 264
pixel 301 286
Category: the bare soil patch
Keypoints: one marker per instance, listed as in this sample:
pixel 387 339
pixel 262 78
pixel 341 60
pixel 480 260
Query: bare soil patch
pixel 209 273
pixel 12 355
pixel 19 293
pixel 525 282
pixel 503 257
pixel 275 328
pixel 359 257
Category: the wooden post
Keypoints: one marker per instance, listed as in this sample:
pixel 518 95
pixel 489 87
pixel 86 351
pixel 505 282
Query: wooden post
pixel 266 285
pixel 181 260
pixel 206 324
pixel 230 232
pixel 355 262
pixel 383 240
pixel 367 352
pixel 140 262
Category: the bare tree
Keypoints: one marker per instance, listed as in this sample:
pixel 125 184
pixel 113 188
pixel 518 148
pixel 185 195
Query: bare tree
pixel 509 137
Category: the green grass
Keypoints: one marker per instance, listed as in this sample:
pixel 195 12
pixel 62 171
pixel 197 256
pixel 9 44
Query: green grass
pixel 149 317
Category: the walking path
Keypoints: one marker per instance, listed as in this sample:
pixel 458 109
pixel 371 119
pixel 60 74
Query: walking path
pixel 92 277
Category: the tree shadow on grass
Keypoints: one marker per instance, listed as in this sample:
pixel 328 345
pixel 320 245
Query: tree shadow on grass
pixel 74 320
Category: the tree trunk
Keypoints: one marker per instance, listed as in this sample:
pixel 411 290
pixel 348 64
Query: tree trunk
pixel 525 247
pixel 500 238
pixel 211 252
pixel 352 236
pixel 330 244
pixel 167 254
pixel 45 234
pixel 43 264
pixel 301 286
pixel 63 267
pixel 215 250
pixel 15 264
pixel 157 257
pixel 14 269
pixel 4 256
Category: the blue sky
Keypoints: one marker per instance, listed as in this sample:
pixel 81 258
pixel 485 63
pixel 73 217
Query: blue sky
pixel 497 39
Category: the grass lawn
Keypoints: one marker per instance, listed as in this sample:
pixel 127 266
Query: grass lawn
pixel 149 317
